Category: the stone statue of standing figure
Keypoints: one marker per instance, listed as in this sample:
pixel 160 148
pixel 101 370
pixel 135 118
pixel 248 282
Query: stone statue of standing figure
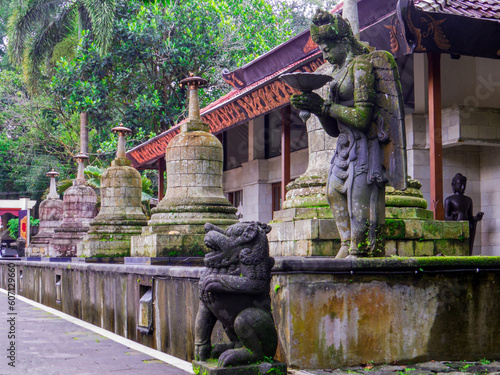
pixel 459 207
pixel 364 110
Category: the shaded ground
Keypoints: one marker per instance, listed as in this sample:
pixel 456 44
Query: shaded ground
pixel 46 344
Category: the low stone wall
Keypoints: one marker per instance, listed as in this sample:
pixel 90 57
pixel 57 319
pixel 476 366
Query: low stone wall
pixel 329 313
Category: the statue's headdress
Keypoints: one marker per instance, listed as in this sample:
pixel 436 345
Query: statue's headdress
pixel 331 27
pixel 458 177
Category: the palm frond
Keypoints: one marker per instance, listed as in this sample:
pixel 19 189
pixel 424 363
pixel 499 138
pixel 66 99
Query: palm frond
pixel 93 174
pixel 63 185
pixel 26 18
pixel 41 47
pixel 102 15
pixel 93 171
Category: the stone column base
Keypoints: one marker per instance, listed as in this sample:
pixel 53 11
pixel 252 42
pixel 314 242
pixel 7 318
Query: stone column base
pixel 412 231
pixel 304 232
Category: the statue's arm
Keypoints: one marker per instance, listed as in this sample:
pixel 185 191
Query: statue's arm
pixel 470 213
pixel 234 284
pixel 330 125
pixel 448 210
pixel 360 115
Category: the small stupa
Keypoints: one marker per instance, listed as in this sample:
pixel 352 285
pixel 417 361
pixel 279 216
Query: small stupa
pixel 51 214
pixel 121 214
pixel 194 160
pixel 79 209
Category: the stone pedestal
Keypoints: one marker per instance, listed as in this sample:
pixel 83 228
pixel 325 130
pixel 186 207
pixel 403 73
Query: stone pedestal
pixel 121 214
pixel 51 214
pixel 79 210
pixel 194 194
pixel 211 368
pixel 305 226
pixel 412 231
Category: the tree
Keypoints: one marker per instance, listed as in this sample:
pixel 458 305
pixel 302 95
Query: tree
pixel 31 139
pixel 302 11
pixel 136 82
pixel 37 27
pixel 154 48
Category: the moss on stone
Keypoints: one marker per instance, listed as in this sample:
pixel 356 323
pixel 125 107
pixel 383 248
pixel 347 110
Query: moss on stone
pixel 395 229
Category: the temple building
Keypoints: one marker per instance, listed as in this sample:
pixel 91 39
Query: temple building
pixel 448 55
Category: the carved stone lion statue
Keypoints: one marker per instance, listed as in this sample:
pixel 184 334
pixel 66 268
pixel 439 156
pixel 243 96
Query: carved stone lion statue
pixel 234 289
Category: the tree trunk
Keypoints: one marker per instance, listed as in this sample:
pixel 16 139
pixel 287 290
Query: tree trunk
pixel 84 133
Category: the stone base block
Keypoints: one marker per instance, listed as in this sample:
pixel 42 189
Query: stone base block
pixel 302 213
pixel 168 245
pixel 105 245
pixel 410 237
pixel 41 250
pixel 67 243
pixel 408 213
pixel 211 368
pixel 308 237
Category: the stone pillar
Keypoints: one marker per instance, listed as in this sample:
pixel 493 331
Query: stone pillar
pixel 350 13
pixel 305 225
pixel 51 214
pixel 79 209
pixel 121 214
pixel 194 194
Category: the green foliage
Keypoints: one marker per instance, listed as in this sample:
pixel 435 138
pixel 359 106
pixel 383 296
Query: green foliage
pixel 124 66
pixel 13 226
pixel 32 140
pixel 36 28
pixel 93 175
pixel 154 47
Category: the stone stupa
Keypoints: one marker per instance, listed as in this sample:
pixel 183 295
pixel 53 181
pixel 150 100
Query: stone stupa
pixel 121 214
pixel 79 209
pixel 51 214
pixel 194 160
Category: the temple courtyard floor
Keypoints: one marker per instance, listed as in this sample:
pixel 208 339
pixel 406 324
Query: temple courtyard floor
pixel 49 342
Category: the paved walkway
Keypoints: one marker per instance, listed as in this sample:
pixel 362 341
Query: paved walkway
pixel 49 345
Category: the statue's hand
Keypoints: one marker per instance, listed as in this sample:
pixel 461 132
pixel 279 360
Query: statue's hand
pixel 308 101
pixel 479 216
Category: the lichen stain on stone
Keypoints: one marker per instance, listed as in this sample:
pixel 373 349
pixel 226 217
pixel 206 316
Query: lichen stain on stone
pixel 374 320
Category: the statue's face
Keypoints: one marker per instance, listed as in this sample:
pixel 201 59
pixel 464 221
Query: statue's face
pixel 459 185
pixel 333 51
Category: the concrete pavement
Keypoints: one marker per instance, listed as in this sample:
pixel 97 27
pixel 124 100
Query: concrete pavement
pixel 50 345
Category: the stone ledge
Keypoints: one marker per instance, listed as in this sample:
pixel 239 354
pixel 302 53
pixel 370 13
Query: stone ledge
pixel 289 264
pixel 209 368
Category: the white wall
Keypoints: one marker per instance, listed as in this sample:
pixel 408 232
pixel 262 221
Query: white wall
pixel 490 199
pixel 256 177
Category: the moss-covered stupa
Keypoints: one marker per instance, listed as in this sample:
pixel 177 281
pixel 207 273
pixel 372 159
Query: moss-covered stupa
pixel 194 194
pixel 121 214
pixel 51 214
pixel 79 209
